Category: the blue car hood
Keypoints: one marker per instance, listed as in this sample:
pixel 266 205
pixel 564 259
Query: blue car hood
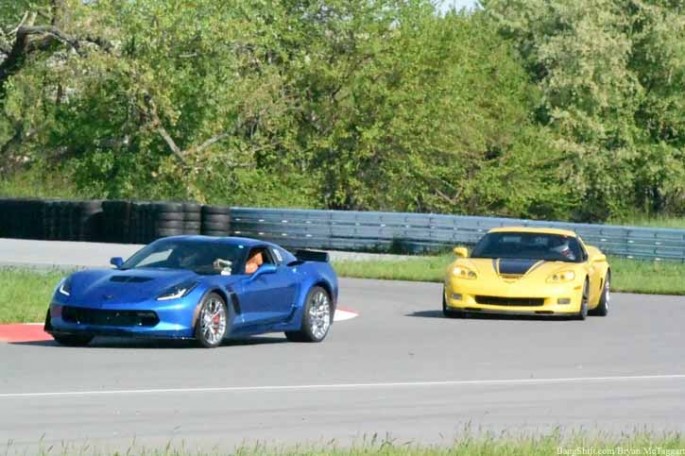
pixel 97 287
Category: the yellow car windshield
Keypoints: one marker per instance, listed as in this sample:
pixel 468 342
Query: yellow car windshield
pixel 533 246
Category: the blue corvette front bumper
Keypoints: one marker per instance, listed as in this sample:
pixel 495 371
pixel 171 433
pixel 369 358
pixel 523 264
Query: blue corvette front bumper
pixel 173 319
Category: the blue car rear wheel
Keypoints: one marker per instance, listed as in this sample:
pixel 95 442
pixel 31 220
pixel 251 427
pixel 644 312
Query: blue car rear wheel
pixel 316 317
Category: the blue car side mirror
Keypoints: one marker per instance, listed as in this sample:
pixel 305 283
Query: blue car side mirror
pixel 117 262
pixel 264 269
pixel 267 269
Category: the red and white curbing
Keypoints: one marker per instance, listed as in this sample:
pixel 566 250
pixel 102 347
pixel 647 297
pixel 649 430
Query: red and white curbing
pixel 33 332
pixel 342 314
pixel 23 332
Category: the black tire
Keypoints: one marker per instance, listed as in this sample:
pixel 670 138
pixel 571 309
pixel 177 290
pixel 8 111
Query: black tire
pixel 168 207
pixel 169 224
pixel 192 207
pixel 216 210
pixel 72 340
pixel 213 226
pixel 216 218
pixel 170 216
pixel 311 331
pixel 212 337
pixel 582 313
pixel 90 206
pixel 449 313
pixel 216 233
pixel 602 309
pixel 47 326
pixel 192 217
pixel 167 232
pixel 192 227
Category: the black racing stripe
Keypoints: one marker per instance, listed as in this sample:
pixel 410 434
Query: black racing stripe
pixel 515 266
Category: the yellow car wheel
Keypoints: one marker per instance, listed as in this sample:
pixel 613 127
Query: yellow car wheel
pixel 582 314
pixel 602 308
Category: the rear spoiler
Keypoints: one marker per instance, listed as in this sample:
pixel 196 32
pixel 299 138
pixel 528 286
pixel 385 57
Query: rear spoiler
pixel 312 255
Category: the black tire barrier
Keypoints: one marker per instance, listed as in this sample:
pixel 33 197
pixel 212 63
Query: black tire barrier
pixel 170 216
pixel 5 219
pixel 21 218
pixel 170 224
pixel 218 218
pixel 168 207
pixel 50 217
pixel 216 210
pixel 89 218
pixel 171 219
pixel 57 220
pixel 165 232
pixel 192 221
pixel 33 219
pixel 215 233
pixel 211 226
pixel 192 228
pixel 216 221
pixel 66 221
pixel 139 222
pixel 192 208
pixel 117 221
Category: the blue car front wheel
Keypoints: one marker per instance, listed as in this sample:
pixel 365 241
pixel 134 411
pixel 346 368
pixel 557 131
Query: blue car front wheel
pixel 70 340
pixel 212 321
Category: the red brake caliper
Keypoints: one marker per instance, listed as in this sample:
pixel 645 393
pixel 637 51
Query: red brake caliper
pixel 215 323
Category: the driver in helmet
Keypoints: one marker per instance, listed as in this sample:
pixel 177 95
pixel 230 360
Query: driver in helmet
pixel 561 246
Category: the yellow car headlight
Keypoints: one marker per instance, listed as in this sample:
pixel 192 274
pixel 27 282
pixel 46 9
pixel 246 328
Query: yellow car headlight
pixel 561 277
pixel 463 273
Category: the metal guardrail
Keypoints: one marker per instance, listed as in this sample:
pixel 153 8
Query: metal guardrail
pixel 141 222
pixel 415 233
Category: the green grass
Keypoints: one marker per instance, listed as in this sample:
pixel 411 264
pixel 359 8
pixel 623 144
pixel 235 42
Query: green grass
pixel 652 222
pixel 627 275
pixel 486 445
pixel 25 294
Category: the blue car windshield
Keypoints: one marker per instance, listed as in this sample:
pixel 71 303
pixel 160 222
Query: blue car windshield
pixel 533 246
pixel 202 257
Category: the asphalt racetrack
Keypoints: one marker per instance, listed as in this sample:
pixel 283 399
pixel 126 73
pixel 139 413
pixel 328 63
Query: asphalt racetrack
pixel 398 370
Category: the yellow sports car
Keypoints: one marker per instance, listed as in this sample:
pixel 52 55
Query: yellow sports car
pixel 531 271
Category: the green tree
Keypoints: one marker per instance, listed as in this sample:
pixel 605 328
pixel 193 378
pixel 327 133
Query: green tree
pixel 609 73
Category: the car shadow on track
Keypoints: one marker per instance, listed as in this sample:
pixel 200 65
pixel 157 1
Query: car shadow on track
pixel 113 342
pixel 477 316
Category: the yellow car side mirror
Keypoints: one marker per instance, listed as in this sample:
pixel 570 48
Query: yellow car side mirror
pixel 461 252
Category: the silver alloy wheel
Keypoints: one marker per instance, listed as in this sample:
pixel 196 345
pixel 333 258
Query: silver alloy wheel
pixel 607 292
pixel 213 321
pixel 319 314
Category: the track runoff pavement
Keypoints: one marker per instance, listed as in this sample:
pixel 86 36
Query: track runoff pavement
pixel 399 370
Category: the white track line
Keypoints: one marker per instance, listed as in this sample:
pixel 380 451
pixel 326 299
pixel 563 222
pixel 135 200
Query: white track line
pixel 339 386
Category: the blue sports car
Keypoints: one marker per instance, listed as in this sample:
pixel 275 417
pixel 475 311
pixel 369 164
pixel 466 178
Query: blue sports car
pixel 199 287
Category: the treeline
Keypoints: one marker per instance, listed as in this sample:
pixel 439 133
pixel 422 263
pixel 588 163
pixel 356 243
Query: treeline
pixel 549 109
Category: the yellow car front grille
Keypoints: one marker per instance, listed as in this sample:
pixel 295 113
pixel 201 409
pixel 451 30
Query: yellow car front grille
pixel 501 301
